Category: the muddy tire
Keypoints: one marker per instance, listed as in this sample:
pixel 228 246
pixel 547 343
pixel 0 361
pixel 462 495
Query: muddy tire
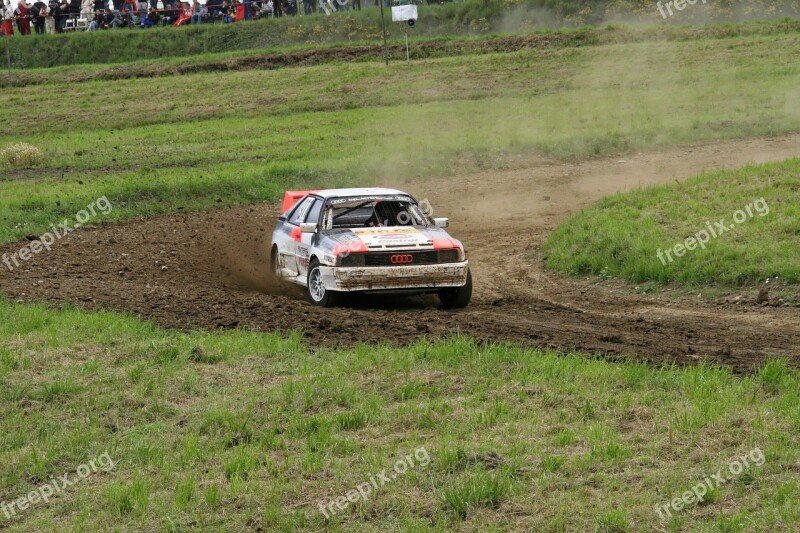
pixel 273 276
pixel 457 297
pixel 315 290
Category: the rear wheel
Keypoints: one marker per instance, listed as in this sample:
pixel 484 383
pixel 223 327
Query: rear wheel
pixel 457 297
pixel 315 288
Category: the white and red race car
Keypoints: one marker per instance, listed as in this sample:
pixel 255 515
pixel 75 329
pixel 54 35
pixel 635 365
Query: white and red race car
pixel 368 239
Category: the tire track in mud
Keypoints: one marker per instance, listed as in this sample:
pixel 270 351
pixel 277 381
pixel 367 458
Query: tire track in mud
pixel 207 270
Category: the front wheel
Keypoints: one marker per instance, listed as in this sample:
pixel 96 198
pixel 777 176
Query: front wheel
pixel 457 297
pixel 315 288
pixel 274 274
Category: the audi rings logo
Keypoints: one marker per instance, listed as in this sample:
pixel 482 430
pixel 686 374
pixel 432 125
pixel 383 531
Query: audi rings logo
pixel 402 259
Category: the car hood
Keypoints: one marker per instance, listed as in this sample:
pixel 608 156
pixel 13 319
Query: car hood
pixel 388 238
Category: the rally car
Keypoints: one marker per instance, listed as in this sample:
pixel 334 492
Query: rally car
pixel 339 241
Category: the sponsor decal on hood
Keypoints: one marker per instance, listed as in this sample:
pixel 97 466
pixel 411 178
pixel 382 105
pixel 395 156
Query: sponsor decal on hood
pixel 391 237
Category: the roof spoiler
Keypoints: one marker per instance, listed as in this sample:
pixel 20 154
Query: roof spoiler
pixel 292 197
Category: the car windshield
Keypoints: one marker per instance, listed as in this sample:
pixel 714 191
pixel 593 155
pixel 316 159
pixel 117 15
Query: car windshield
pixel 371 211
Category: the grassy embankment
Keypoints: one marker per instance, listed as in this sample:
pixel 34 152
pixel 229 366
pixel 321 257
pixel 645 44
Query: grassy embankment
pixel 748 221
pixel 472 17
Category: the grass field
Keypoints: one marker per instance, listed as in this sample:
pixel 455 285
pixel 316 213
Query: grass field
pixel 252 431
pixel 152 145
pixel 624 235
pixel 240 430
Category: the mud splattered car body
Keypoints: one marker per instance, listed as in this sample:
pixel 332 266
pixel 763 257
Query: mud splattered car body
pixel 344 240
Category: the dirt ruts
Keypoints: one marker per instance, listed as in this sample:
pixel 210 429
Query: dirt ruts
pixel 207 270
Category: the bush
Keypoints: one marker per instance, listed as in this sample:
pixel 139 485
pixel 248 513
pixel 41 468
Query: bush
pixel 22 155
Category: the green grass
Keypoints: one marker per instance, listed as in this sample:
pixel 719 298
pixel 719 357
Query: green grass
pixel 622 235
pixel 262 432
pixel 470 17
pixel 159 145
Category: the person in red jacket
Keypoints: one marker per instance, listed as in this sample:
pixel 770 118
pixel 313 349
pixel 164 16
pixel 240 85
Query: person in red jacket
pixel 22 15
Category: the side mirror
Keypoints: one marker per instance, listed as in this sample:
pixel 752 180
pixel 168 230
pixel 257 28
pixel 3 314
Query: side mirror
pixel 308 227
pixel 441 222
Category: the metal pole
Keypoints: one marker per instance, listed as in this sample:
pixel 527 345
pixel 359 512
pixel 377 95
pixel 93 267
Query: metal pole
pixel 383 27
pixel 408 58
pixel 8 57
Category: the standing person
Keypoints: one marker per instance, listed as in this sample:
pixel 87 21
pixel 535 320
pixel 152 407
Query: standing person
pixel 22 15
pixel 86 9
pixel 100 5
pixel 198 11
pixel 50 21
pixel 277 8
pixel 6 18
pixel 73 11
pixel 38 14
pixel 58 16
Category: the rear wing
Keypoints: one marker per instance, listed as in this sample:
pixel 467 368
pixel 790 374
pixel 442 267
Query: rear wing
pixel 292 197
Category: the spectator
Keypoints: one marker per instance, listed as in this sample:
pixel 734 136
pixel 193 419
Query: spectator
pixel 86 9
pixel 143 5
pixel 267 8
pixel 102 21
pixel 6 18
pixel 198 12
pixel 213 8
pixel 50 21
pixel 73 11
pixel 100 5
pixel 58 15
pixel 168 14
pixel 225 12
pixel 22 16
pixel 129 6
pixel 117 5
pixel 277 8
pixel 38 13
pixel 151 19
pixel 119 20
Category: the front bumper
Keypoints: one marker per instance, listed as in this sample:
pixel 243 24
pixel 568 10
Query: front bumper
pixel 395 277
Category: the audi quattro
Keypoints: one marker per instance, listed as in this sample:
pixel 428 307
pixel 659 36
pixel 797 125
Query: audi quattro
pixel 338 241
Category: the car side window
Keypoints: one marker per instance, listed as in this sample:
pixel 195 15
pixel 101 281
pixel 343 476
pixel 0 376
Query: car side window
pixel 299 214
pixel 313 213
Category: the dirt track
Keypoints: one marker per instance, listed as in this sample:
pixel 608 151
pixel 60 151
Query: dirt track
pixel 207 270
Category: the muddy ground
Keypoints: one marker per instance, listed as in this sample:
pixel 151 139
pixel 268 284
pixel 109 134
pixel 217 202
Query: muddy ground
pixel 207 270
